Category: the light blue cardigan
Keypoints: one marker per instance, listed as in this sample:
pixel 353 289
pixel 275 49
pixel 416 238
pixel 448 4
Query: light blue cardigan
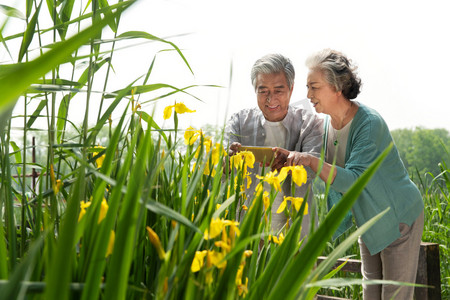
pixel 389 187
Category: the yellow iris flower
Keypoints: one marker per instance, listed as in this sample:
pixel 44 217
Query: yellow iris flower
pixel 191 135
pixel 242 288
pixel 296 202
pixel 266 200
pixel 199 261
pixel 274 180
pixel 56 183
pixel 243 159
pixel 277 240
pixel 215 228
pixel 215 258
pixel 154 239
pixel 112 238
pixel 217 225
pixel 180 108
pixel 103 210
pixel 248 253
pixel 299 175
pixel 99 160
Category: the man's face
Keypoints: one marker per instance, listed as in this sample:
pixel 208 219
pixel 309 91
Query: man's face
pixel 273 95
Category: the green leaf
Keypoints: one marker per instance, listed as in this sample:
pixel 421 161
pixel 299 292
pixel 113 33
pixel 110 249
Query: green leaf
pixel 29 34
pixel 149 120
pixel 58 276
pixel 11 12
pixel 36 113
pixel 145 35
pixel 13 288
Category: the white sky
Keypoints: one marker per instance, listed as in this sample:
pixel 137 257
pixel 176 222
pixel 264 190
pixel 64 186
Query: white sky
pixel 401 48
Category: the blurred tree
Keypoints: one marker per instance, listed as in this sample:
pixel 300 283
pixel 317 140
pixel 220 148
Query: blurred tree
pixel 422 149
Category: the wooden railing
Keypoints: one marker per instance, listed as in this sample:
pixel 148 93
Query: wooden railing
pixel 428 272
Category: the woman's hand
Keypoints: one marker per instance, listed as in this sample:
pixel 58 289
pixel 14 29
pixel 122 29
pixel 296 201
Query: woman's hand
pixel 290 158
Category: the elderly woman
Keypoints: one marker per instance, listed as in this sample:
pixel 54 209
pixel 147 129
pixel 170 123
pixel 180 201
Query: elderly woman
pixel 355 135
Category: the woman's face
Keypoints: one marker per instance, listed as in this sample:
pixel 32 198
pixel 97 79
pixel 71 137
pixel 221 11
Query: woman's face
pixel 273 95
pixel 321 94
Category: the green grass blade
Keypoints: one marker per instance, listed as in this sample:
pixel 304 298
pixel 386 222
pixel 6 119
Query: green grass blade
pixel 3 252
pixel 22 272
pixel 145 35
pixel 59 273
pixel 11 12
pixel 278 259
pixel 29 33
pixel 36 113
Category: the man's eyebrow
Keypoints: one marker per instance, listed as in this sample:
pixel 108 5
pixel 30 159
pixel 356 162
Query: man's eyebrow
pixel 276 87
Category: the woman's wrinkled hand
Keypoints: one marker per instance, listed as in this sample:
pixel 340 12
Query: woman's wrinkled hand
pixel 285 158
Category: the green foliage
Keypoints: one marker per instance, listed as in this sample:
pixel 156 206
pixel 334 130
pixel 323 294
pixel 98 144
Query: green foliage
pixel 422 149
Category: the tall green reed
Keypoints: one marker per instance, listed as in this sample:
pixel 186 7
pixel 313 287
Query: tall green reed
pixel 435 189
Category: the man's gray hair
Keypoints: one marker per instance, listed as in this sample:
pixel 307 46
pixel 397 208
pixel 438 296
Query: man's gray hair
pixel 272 64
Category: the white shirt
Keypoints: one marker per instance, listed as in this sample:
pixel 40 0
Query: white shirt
pixel 337 144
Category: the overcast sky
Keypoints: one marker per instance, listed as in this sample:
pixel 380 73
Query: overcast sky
pixel 401 48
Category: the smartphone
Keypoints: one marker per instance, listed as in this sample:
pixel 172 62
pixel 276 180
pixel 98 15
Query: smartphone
pixel 260 153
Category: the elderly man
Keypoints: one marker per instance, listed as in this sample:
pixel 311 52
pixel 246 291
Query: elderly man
pixel 276 123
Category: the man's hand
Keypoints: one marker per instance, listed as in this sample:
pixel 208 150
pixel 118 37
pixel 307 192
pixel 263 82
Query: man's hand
pixel 234 148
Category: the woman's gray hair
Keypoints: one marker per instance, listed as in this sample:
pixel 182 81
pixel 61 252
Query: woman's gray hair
pixel 271 64
pixel 338 70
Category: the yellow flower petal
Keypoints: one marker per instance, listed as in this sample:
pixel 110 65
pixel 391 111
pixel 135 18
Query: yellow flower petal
pixel 103 210
pixel 248 253
pixel 216 258
pixel 191 135
pixel 180 108
pixel 299 175
pixel 199 260
pixel 215 228
pixel 223 245
pixel 58 186
pixel 283 173
pixel 154 239
pixel 167 112
pixel 282 206
pixel 112 238
pixel 99 160
pixel 266 200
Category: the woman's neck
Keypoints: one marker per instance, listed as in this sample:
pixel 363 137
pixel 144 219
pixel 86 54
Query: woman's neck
pixel 343 114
